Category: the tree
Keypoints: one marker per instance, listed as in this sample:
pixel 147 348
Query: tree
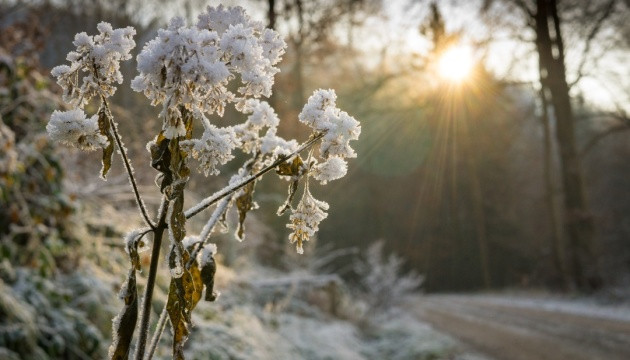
pixel 548 19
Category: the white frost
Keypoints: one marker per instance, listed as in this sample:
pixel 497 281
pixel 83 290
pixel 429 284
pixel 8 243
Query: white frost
pixel 75 129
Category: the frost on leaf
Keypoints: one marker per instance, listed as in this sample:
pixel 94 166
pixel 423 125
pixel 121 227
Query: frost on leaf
pixel 305 219
pixel 244 203
pixel 184 294
pixel 293 170
pixel 208 269
pixel 124 323
pixel 104 127
pixel 75 129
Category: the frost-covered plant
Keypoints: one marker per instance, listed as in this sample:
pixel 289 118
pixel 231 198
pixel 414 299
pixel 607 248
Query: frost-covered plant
pixel 383 280
pixel 189 71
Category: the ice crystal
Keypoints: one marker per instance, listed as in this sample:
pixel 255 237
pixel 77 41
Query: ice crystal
pixel 75 129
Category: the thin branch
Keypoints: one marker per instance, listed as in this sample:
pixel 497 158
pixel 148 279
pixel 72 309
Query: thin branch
pixel 599 137
pixel 212 199
pixel 606 12
pixel 148 291
pixel 521 4
pixel 159 329
pixel 123 154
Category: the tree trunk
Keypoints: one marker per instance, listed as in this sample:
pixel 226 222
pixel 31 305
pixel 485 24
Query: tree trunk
pixel 578 220
pixel 558 255
pixel 479 214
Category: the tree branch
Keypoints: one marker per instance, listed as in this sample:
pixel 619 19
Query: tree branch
pixel 605 13
pixel 623 126
pixel 523 6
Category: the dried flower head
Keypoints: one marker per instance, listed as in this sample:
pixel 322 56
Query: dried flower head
pixel 305 219
pixel 95 64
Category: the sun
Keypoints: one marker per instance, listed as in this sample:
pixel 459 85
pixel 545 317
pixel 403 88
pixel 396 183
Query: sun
pixel 456 63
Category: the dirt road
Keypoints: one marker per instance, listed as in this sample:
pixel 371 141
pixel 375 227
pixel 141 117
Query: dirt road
pixel 518 331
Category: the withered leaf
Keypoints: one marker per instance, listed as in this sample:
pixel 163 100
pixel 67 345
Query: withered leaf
pixel 292 168
pixel 177 221
pixel 124 323
pixel 207 273
pixel 104 127
pixel 287 203
pixel 244 203
pixel 161 159
pixel 184 294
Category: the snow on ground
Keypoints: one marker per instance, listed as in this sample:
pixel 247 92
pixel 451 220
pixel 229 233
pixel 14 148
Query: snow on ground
pixel 585 306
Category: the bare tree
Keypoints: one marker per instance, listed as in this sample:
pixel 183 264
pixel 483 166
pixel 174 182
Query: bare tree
pixel 547 18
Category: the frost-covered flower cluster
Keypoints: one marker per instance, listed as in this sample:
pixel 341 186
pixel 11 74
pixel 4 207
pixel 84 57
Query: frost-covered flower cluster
pixel 74 128
pixel 191 66
pixel 93 70
pixel 305 219
pixel 95 64
pixel 261 116
pixel 339 128
pixel 213 149
pixel 331 169
pixel 195 72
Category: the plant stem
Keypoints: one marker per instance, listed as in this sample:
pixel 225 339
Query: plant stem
pixel 212 199
pixel 207 229
pixel 123 154
pixel 159 329
pixel 148 291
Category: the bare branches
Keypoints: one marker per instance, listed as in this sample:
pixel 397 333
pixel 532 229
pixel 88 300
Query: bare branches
pixel 523 6
pixel 604 14
pixel 623 125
